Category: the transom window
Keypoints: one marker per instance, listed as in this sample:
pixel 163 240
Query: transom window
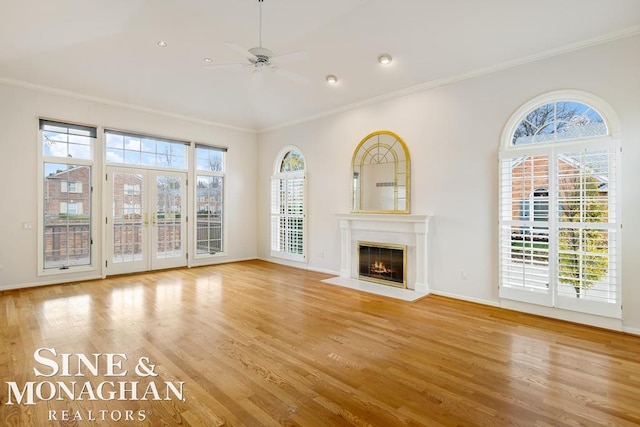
pixel 559 121
pixel 559 215
pixel 288 210
pixel 140 150
pixel 61 140
pixel 292 162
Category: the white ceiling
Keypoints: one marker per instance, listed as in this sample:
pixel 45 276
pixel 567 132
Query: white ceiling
pixel 107 48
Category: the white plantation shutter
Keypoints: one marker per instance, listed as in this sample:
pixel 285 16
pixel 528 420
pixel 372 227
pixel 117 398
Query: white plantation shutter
pixel 524 227
pixel 288 216
pixel 559 227
pixel 588 229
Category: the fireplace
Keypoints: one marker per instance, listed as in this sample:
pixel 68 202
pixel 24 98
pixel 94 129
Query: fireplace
pixel 382 263
pixel 409 232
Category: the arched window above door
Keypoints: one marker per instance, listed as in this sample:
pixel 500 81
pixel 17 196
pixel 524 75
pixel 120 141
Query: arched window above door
pixel 292 161
pixel 559 121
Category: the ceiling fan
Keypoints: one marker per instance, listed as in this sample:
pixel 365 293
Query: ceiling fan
pixel 260 59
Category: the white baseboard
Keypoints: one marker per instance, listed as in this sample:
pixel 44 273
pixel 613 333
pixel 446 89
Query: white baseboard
pixel 299 265
pixel 581 318
pixel 60 280
pixel 323 270
pixel 283 261
pixel 566 315
pixel 634 331
pixel 463 298
pixel 218 260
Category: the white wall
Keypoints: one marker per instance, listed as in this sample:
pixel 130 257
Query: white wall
pixel 453 135
pixel 20 109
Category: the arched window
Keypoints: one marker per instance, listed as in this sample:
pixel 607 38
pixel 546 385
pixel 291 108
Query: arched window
pixel 559 215
pixel 288 206
pixel 559 121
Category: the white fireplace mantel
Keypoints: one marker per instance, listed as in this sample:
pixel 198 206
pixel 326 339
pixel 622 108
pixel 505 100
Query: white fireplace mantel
pixel 408 229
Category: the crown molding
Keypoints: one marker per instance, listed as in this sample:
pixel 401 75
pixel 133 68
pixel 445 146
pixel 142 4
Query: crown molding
pixel 627 32
pixel 111 102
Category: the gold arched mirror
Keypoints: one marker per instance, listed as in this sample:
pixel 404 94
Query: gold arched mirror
pixel 381 174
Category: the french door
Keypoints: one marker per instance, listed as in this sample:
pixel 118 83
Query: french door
pixel 146 221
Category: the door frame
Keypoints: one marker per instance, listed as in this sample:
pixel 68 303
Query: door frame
pixel 148 220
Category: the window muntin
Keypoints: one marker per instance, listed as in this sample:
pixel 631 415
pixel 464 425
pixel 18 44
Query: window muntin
pixel 140 150
pixel 209 199
pixel 559 121
pixel 67 141
pixel 65 240
pixel 288 210
pixel 559 221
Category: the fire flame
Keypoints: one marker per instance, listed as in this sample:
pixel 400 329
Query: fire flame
pixel 379 267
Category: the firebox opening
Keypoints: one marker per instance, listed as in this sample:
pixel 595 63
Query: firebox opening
pixel 382 263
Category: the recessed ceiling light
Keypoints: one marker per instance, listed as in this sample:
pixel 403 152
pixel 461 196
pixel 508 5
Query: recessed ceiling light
pixel 162 43
pixel 385 59
pixel 208 60
pixel 331 79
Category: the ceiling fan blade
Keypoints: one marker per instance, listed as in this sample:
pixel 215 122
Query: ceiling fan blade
pixel 291 57
pixel 241 50
pixel 290 75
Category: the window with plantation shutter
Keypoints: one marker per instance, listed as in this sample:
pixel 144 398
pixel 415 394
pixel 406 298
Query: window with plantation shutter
pixel 288 211
pixel 524 236
pixel 587 226
pixel 559 216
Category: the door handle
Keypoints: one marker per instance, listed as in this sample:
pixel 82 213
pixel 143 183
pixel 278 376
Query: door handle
pixel 146 219
pixel 153 219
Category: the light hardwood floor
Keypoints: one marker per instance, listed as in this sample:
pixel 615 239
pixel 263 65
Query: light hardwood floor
pixel 257 344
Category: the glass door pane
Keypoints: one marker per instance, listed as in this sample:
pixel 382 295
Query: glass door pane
pixel 67 215
pixel 127 222
pixel 168 222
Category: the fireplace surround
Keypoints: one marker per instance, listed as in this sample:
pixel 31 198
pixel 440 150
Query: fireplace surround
pixel 408 230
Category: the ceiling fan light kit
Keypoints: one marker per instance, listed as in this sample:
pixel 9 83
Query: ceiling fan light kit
pixel 259 59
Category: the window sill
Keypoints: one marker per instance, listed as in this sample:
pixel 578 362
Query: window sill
pixel 66 271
